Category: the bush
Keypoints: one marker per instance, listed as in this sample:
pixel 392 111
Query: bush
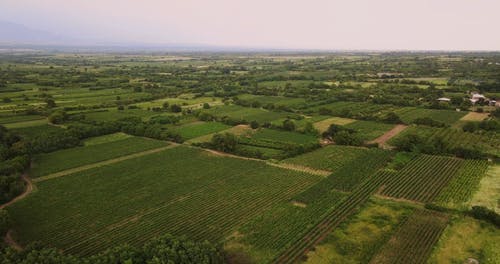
pixel 483 213
pixel 4 222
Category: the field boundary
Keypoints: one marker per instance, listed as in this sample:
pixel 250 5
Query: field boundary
pixel 26 192
pixel 286 166
pixel 102 163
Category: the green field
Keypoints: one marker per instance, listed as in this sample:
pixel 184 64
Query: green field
pixel 423 178
pixel 33 131
pixel 409 114
pixel 197 129
pixel 124 202
pixel 330 157
pixel 369 130
pixel 44 164
pixel 283 136
pixel 245 113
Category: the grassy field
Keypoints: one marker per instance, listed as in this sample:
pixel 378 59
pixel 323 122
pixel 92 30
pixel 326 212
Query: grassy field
pixel 323 125
pixel 359 238
pixel 370 130
pixel 106 139
pixel 283 136
pixel 124 202
pixel 246 113
pixel 36 130
pixel 468 238
pixel 26 124
pixel 408 114
pixel 48 163
pixel 331 157
pixel 198 129
pixel 489 190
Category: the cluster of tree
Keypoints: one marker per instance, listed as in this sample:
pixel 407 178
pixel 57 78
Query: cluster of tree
pixel 486 125
pixel 427 121
pixel 14 160
pixel 164 249
pixel 435 146
pixel 343 136
pixel 483 213
pixel 5 222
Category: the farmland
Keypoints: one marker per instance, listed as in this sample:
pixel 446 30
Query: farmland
pixel 211 188
pixel 413 242
pixel 262 158
pixel 44 164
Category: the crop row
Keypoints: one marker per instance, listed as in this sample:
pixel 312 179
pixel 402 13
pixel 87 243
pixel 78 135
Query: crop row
pixel 422 178
pixel 462 186
pixel 126 203
pixel 348 176
pixel 414 241
pixel 331 157
pixel 336 216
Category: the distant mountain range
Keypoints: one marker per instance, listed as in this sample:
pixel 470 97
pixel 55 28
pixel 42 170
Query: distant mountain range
pixel 12 33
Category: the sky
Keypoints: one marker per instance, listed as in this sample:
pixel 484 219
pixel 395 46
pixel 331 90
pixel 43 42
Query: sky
pixel 287 24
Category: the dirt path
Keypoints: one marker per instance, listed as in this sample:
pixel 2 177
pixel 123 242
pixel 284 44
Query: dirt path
pixel 295 167
pixel 287 166
pixel 11 242
pixel 102 163
pixel 388 135
pixel 27 190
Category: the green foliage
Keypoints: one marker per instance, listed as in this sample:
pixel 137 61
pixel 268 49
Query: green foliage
pixel 165 194
pixel 224 142
pixel 164 249
pixel 483 213
pixel 44 164
pixel 5 222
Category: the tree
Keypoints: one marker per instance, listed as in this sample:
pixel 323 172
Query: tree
pixel 224 142
pixel 392 118
pixel 58 117
pixel 50 103
pixel 165 105
pixel 206 106
pixel 4 222
pixel 254 124
pixel 176 108
pixel 289 125
pixel 496 113
pixel 346 138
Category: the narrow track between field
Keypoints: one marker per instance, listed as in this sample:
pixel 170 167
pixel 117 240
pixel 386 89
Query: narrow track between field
pixel 102 163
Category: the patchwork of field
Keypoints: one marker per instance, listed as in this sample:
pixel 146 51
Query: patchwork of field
pixel 487 142
pixel 202 202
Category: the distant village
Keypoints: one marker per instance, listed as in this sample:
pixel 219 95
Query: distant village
pixel 476 99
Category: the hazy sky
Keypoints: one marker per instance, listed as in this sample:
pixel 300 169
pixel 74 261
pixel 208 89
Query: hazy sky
pixel 322 24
